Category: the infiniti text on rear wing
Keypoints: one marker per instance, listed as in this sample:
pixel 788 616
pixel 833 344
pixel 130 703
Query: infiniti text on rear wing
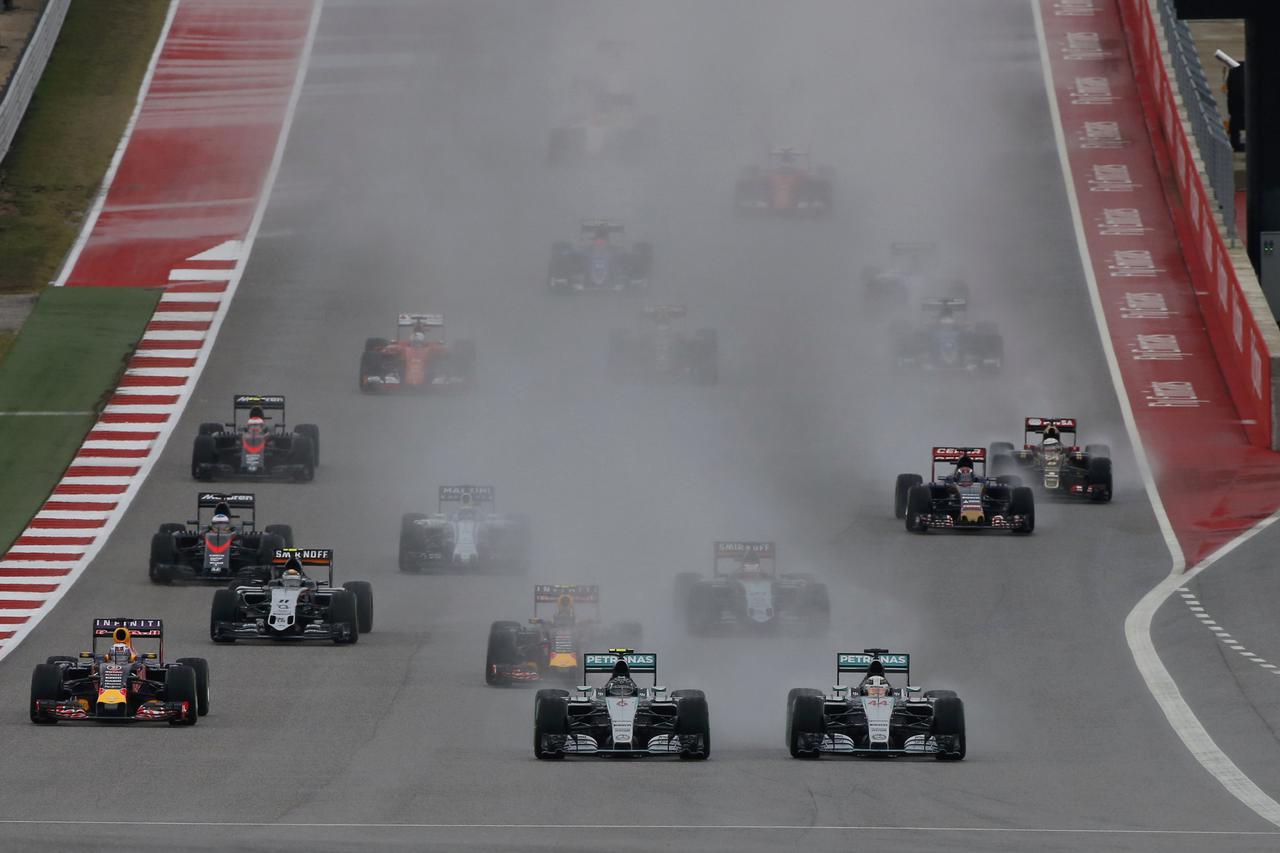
pixel 136 627
pixel 546 593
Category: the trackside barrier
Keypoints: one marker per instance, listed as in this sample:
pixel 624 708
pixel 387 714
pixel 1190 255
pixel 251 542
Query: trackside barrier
pixel 1246 339
pixel 35 55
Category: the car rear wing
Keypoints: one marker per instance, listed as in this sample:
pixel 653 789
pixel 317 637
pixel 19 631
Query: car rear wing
pixel 321 558
pixel 457 494
pixel 740 550
pixel 859 663
pixel 944 304
pixel 606 226
pixel 266 402
pixel 665 313
pixel 1037 426
pixel 150 628
pixel 547 593
pixel 433 320
pixel 789 154
pixel 953 455
pixel 637 662
pixel 239 500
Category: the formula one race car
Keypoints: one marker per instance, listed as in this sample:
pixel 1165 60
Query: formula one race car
pixel 946 341
pixel 118 684
pixel 965 499
pixel 465 532
pixel 663 352
pixel 913 269
pixel 621 719
pixel 597 263
pixel 875 718
pixel 417 360
pixel 217 544
pixel 613 130
pixel 290 605
pixel 746 592
pixel 547 649
pixel 789 184
pixel 1057 464
pixel 257 448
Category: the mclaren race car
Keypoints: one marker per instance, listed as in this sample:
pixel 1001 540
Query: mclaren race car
pixel 663 352
pixel 1057 465
pixel 621 719
pixel 218 544
pixel 875 718
pixel 598 263
pixel 747 593
pixel 292 605
pixel 465 532
pixel 114 682
pixel 946 341
pixel 789 184
pixel 418 359
pixel 259 447
pixel 965 498
pixel 551 649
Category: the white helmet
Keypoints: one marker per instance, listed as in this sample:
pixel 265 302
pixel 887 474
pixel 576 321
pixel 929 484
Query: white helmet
pixel 220 523
pixel 875 686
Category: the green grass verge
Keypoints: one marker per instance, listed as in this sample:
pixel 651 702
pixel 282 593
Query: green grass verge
pixel 66 140
pixel 68 358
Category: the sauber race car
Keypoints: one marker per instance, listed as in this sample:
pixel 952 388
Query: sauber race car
pixel 621 719
pixel 597 263
pixel 291 605
pixel 965 498
pixel 260 447
pixel 465 532
pixel 118 684
pixel 789 184
pixel 547 649
pixel 746 592
pixel 945 340
pixel 875 718
pixel 218 543
pixel 663 352
pixel 1057 464
pixel 418 359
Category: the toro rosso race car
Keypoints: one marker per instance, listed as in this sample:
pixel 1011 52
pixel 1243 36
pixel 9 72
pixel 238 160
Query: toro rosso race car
pixel 664 352
pixel 789 184
pixel 964 499
pixel 118 684
pixel 218 543
pixel 875 718
pixel 945 340
pixel 465 532
pixel 621 719
pixel 1057 464
pixel 291 605
pixel 259 447
pixel 597 263
pixel 418 359
pixel 547 649
pixel 746 593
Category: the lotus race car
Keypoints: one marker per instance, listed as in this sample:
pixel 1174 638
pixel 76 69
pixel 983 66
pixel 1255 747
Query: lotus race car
pixel 746 592
pixel 418 359
pixel 965 499
pixel 119 685
pixel 1057 464
pixel 875 718
pixel 946 341
pixel 789 184
pixel 465 532
pixel 621 719
pixel 598 263
pixel 663 352
pixel 256 449
pixel 217 544
pixel 547 649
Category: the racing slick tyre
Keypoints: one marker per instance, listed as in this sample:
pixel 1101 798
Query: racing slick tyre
pixel 200 667
pixel 370 365
pixel 46 683
pixel 375 344
pixel 948 726
pixel 268 544
pixel 284 531
pixel 210 428
pixel 409 537
pixel 1023 502
pixel 707 368
pixel 302 455
pixel 906 482
pixel 344 608
pixel 693 718
pixel 1000 448
pixel 57 659
pixel 223 610
pixel 1101 450
pixel 939 694
pixel 180 685
pixel 1002 465
pixel 806 719
pixel 172 527
pixel 502 651
pixel 1099 479
pixel 550 717
pixel 312 432
pixel 562 266
pixel 792 695
pixel 363 591
pixel 203 452
pixel 919 502
pixel 164 553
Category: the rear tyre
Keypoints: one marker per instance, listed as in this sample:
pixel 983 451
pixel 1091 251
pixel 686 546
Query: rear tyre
pixel 410 538
pixel 502 651
pixel 693 718
pixel 302 455
pixel 363 591
pixel 906 482
pixel 1023 502
pixel 180 685
pixel 939 694
pixel 1098 450
pixel 210 428
pixel 794 694
pixel 223 610
pixel 550 717
pixel 919 502
pixel 200 667
pixel 370 365
pixel 344 609
pixel 164 553
pixel 806 719
pixel 948 728
pixel 312 432
pixel 1000 448
pixel 375 344
pixel 57 659
pixel 203 453
pixel 284 531
pixel 172 527
pixel 46 683
pixel 1099 479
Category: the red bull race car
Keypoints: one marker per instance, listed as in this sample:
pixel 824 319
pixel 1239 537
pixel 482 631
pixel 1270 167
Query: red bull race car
pixel 256 444
pixel 418 359
pixel 1057 465
pixel 221 542
pixel 963 498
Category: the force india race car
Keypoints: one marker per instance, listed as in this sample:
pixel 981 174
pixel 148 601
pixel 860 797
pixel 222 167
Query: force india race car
pixel 118 684
pixel 663 352
pixel 746 592
pixel 256 449
pixel 418 359
pixel 875 718
pixel 548 649
pixel 598 263
pixel 1057 464
pixel 945 341
pixel 789 184
pixel 621 719
pixel 217 544
pixel 965 499
pixel 291 605
pixel 464 532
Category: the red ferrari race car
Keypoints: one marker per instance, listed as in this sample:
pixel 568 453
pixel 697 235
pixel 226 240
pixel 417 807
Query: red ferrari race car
pixel 418 359
pixel 788 185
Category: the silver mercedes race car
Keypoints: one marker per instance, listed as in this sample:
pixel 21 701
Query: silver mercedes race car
pixel 467 532
pixel 747 593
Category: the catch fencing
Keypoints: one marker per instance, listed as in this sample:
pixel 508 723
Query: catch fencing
pixel 16 94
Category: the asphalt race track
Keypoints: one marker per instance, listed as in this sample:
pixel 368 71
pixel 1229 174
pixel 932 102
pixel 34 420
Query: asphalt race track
pixel 415 180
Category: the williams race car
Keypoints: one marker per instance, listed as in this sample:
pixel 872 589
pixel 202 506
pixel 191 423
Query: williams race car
pixel 290 605
pixel 613 129
pixel 547 649
pixel 257 448
pixel 789 184
pixel 1057 464
pixel 217 544
pixel 118 684
pixel 598 263
pixel 945 340
pixel 875 718
pixel 465 532
pixel 418 359
pixel 621 719
pixel 746 592
pixel 663 352
pixel 964 499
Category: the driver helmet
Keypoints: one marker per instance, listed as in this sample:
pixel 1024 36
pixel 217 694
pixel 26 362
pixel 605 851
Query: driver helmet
pixel 291 577
pixel 1051 431
pixel 120 653
pixel 418 338
pixel 1051 444
pixel 964 472
pixel 621 685
pixel 564 611
pixel 220 523
pixel 255 422
pixel 875 685
pixel 751 564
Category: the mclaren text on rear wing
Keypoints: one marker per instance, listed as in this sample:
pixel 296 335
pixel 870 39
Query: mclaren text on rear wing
pixel 208 500
pixel 259 401
pixel 420 320
pixel 580 593
pixel 105 627
pixel 644 662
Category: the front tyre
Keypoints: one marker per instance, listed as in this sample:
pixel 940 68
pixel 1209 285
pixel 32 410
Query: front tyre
pixel 550 718
pixel 693 719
